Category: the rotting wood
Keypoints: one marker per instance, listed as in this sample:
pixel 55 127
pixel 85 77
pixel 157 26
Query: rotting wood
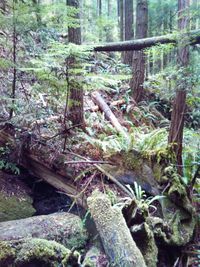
pixel 39 160
pixel 112 104
pixel 115 235
pixel 139 44
pixel 98 99
pixel 46 164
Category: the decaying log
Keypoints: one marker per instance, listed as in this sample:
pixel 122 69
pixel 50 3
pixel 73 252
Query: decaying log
pixel 115 235
pixel 193 37
pixel 98 99
pixel 65 228
pixel 112 104
pixel 40 160
pixel 36 252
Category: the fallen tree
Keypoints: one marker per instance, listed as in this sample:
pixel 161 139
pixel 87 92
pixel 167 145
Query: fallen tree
pixel 192 37
pixel 98 99
pixel 64 228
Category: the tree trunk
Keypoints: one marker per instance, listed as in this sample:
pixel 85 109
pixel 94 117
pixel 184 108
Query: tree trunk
pixel 121 19
pixel 76 115
pixel 128 27
pixel 138 68
pixel 179 105
pixel 109 35
pixel 14 57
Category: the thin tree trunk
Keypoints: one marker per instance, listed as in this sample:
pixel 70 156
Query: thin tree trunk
pixel 121 10
pixel 128 28
pixel 138 56
pixel 179 105
pixel 76 115
pixel 14 41
pixel 109 36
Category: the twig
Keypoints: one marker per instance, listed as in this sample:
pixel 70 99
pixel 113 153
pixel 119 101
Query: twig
pixel 88 162
pixel 63 132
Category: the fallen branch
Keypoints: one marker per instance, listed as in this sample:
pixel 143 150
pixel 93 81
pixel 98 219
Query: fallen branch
pixel 88 162
pixel 98 99
pixel 112 104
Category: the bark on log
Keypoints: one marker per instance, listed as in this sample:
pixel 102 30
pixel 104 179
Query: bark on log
pixel 139 44
pixel 115 235
pixel 98 99
pixel 64 228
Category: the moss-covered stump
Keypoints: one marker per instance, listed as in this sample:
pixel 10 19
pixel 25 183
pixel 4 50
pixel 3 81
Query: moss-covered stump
pixel 36 252
pixel 15 200
pixel 65 228
pixel 115 235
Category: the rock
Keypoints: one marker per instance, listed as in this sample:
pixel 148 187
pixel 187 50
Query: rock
pixel 65 228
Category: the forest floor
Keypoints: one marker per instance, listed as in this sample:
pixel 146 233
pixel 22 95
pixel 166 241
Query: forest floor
pixel 98 156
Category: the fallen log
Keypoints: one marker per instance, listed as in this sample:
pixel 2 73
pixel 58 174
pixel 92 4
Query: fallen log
pixel 98 99
pixel 65 228
pixel 36 252
pixel 42 161
pixel 112 104
pixel 115 235
pixel 192 37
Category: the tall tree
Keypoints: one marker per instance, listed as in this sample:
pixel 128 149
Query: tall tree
pixel 14 58
pixel 139 56
pixel 121 18
pixel 128 29
pixel 179 104
pixel 109 35
pixel 99 12
pixel 75 91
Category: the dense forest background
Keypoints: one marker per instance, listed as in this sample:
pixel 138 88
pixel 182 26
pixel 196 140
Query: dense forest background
pixel 108 89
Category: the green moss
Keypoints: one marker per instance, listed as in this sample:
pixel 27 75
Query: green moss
pixel 48 253
pixel 7 254
pixel 132 160
pixel 12 207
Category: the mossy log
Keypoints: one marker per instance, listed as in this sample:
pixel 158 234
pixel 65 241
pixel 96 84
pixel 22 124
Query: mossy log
pixel 34 252
pixel 65 228
pixel 115 235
